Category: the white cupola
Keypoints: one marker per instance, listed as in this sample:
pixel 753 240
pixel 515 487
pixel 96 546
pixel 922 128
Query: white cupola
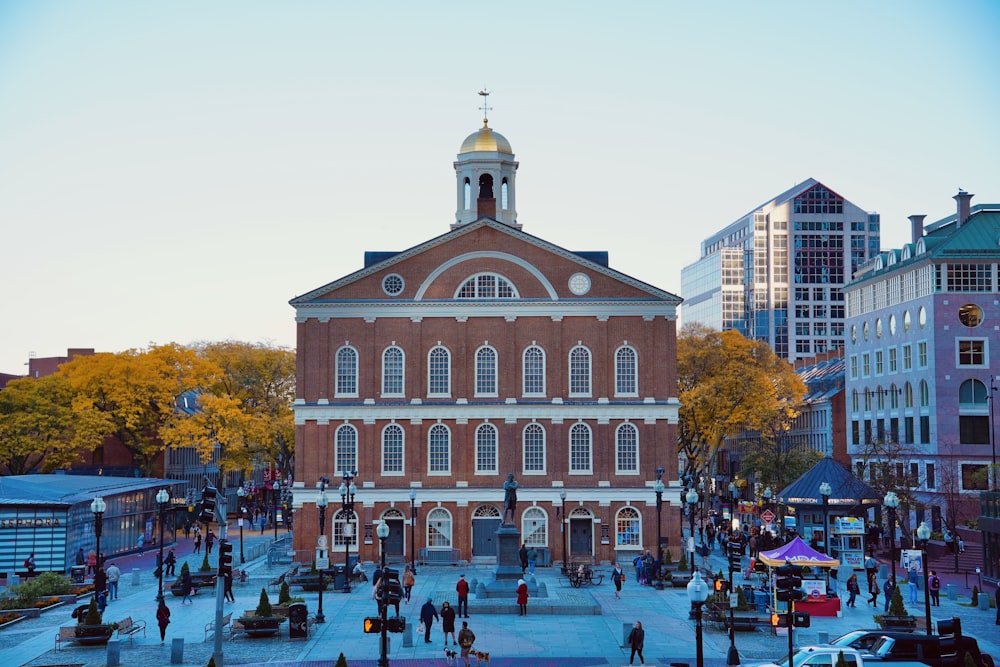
pixel 484 176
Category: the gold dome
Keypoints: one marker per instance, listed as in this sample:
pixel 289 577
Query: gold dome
pixel 486 140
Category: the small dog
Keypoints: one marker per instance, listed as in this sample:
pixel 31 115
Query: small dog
pixel 482 657
pixel 450 657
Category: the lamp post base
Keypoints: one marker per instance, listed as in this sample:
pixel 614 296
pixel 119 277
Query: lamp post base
pixel 733 656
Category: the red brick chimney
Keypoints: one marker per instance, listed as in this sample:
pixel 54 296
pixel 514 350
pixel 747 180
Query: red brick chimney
pixel 486 207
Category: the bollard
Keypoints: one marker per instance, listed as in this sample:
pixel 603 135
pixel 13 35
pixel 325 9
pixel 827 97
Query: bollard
pixel 177 651
pixel 135 576
pixel 543 591
pixel 984 602
pixel 114 653
pixel 951 591
pixel 408 635
pixel 13 579
pixel 473 584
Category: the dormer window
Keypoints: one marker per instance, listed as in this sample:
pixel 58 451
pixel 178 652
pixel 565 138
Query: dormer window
pixel 486 286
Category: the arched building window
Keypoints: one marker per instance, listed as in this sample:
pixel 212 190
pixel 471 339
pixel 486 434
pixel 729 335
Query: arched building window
pixel 579 449
pixel 439 450
pixel 628 528
pixel 345 529
pixel 535 527
pixel 486 371
pixel 346 448
pixel 392 450
pixel 439 529
pixel 347 372
pixel 626 372
pixel 534 448
pixel 486 449
pixel 534 371
pixel 579 371
pixel 392 371
pixel 439 372
pixel 627 449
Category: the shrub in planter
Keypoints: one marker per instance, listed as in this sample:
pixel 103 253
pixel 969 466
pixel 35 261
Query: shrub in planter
pixel 341 661
pixel 896 606
pixel 668 558
pixel 264 606
pixel 284 596
pixel 205 567
pixel 683 564
pixel 975 596
pixel 93 616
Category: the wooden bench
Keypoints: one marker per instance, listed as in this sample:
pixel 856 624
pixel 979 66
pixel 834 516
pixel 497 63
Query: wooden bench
pixel 236 629
pixel 66 634
pixel 129 627
pixel 284 576
pixel 210 626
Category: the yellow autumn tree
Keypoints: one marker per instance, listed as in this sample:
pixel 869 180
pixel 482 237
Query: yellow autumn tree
pixel 132 396
pixel 727 383
pixel 36 425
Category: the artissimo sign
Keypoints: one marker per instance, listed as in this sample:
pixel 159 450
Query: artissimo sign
pixel 29 523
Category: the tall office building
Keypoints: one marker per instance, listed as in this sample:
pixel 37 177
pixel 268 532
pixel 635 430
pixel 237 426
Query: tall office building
pixel 776 273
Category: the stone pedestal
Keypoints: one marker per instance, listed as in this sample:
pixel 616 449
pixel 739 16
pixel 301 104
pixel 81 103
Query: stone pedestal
pixel 508 562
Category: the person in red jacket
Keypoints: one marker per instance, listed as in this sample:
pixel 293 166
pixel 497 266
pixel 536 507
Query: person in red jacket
pixel 462 587
pixel 522 597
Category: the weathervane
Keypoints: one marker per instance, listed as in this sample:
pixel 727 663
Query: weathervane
pixel 485 92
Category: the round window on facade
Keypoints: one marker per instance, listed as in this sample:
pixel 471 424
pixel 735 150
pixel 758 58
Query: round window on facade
pixel 906 320
pixel 922 317
pixel 579 284
pixel 878 328
pixel 970 315
pixel 865 331
pixel 892 325
pixel 392 284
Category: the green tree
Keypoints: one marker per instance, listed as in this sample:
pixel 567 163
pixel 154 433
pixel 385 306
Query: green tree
pixel 264 605
pixel 36 425
pixel 896 606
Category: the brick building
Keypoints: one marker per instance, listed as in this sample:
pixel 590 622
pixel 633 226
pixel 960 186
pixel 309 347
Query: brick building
pixel 436 371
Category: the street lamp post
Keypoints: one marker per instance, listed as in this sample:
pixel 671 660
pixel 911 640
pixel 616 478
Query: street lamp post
pixel 162 498
pixel 413 531
pixel 241 494
pixel 924 534
pixel 321 504
pixel 347 491
pixel 275 492
pixel 891 501
pixel 697 591
pixel 824 492
pixel 658 489
pixel 98 506
pixel 383 604
pixel 562 527
pixel 692 499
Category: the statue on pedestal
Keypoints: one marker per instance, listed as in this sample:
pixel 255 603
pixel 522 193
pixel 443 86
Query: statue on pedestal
pixel 509 498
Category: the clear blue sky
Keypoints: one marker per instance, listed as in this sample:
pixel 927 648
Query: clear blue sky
pixel 177 171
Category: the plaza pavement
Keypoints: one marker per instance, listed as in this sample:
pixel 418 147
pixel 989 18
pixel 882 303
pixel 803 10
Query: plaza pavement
pixel 539 639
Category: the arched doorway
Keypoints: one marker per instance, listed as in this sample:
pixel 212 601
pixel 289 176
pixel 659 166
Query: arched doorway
pixel 581 534
pixel 394 543
pixel 485 522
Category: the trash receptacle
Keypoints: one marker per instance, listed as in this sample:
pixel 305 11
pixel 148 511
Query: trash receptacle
pixel 78 572
pixel 297 627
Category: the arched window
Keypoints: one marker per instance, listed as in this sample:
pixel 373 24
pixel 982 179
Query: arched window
pixel 346 449
pixel 345 529
pixel 486 286
pixel 503 194
pixel 392 372
pixel 925 394
pixel 907 395
pixel 439 372
pixel 486 371
pixel 628 528
pixel 347 372
pixel 579 371
pixel 627 449
pixel 534 371
pixel 392 450
pixel 972 392
pixel 535 527
pixel 626 372
pixel 893 397
pixel 534 448
pixel 438 529
pixel 486 186
pixel 579 449
pixel 467 194
pixel 486 449
pixel 854 400
pixel 879 398
pixel 439 450
pixel 973 413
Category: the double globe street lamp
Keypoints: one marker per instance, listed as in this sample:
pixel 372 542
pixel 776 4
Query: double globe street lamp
pixel 697 591
pixel 382 531
pixel 347 491
pixel 162 498
pixel 98 507
pixel 321 504
pixel 658 489
pixel 924 534
pixel 241 493
pixel 891 501
pixel 692 499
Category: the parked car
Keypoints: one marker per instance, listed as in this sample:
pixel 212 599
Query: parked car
pixel 934 650
pixel 827 655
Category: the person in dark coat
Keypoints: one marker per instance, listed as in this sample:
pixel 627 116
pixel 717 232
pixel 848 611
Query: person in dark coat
pixel 887 590
pixel 448 623
pixel 522 597
pixel 171 564
pixel 522 553
pixel 636 638
pixel 227 587
pixel 462 588
pixel 100 580
pixel 427 616
pixel 163 620
pixel 186 583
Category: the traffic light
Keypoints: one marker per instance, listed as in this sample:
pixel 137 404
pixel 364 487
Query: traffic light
pixel 735 552
pixel 225 557
pixel 787 583
pixel 206 514
pixel 373 624
pixel 397 624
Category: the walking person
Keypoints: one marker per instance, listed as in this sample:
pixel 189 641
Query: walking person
pixel 163 620
pixel 532 560
pixel 197 543
pixel 427 616
pixel 408 581
pixel 448 623
pixel 91 562
pixel 209 541
pixel 462 588
pixel 636 638
pixel 29 564
pixel 522 553
pixel 871 566
pixel 522 597
pixel 227 588
pixel 887 590
pixel 186 584
pixel 171 564
pixel 873 591
pixel 617 576
pixel 853 588
pixel 100 580
pixel 466 638
pixel 934 586
pixel 912 578
pixel 81 558
pixel 113 574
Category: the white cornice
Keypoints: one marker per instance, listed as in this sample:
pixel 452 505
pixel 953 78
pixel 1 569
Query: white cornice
pixel 644 412
pixel 368 310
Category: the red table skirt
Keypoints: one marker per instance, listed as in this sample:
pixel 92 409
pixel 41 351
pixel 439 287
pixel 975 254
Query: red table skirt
pixel 820 607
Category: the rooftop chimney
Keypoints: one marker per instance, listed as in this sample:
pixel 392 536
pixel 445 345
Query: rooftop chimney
pixel 916 227
pixel 964 200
